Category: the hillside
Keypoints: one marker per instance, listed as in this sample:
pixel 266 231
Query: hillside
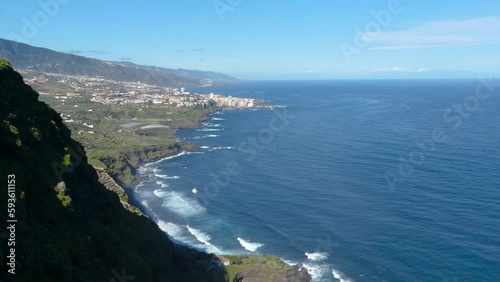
pixel 23 56
pixel 69 227
pixel 66 226
pixel 193 74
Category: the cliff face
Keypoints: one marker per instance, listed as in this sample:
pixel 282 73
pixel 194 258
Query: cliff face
pixel 69 227
pixel 124 167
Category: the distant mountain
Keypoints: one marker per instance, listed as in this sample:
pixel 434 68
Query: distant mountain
pixel 193 74
pixel 23 56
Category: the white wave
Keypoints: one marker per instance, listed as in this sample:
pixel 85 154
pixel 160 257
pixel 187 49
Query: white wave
pixel 316 256
pixel 195 191
pixel 145 170
pixel 224 148
pixel 145 204
pixel 160 193
pixel 218 148
pixel 182 205
pixel 208 124
pixel 249 246
pixel 191 153
pixel 206 136
pixel 146 194
pixel 209 129
pixel 337 274
pixel 204 238
pixel 213 249
pixel 317 272
pixel 217 119
pixel 137 188
pixel 180 235
pixel 200 236
pixel 167 158
pixel 289 262
pixel 164 176
pixel 169 228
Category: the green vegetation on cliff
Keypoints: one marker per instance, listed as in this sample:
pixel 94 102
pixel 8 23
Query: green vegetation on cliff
pixel 120 149
pixel 263 268
pixel 69 227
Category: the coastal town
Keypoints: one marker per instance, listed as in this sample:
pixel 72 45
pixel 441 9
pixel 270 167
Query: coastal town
pixel 111 92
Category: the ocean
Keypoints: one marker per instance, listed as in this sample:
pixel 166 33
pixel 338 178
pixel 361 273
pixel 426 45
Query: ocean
pixel 359 180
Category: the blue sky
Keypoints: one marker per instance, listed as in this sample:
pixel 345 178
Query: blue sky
pixel 272 39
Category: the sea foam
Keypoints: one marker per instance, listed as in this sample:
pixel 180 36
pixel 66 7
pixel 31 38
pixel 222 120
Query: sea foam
pixel 208 124
pixel 167 158
pixel 316 256
pixel 200 236
pixel 337 274
pixel 204 238
pixel 249 246
pixel 182 205
pixel 160 193
pixel 169 228
pixel 209 129
pixel 224 148
pixel 206 136
pixel 145 204
pixel 164 176
pixel 318 272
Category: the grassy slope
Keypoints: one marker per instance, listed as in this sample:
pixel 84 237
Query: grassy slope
pixel 268 267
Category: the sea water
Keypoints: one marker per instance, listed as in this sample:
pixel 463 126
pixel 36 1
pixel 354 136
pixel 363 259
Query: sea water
pixel 392 180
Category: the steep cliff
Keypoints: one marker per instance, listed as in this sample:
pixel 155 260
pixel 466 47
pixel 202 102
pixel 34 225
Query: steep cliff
pixel 68 226
pixel 62 224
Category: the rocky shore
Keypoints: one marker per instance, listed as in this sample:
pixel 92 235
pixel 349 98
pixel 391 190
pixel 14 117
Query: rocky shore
pixel 125 177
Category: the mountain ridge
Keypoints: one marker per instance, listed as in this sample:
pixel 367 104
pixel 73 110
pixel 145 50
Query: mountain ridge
pixel 24 56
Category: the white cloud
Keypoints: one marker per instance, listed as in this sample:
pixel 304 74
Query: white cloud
pixel 396 69
pixel 439 34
